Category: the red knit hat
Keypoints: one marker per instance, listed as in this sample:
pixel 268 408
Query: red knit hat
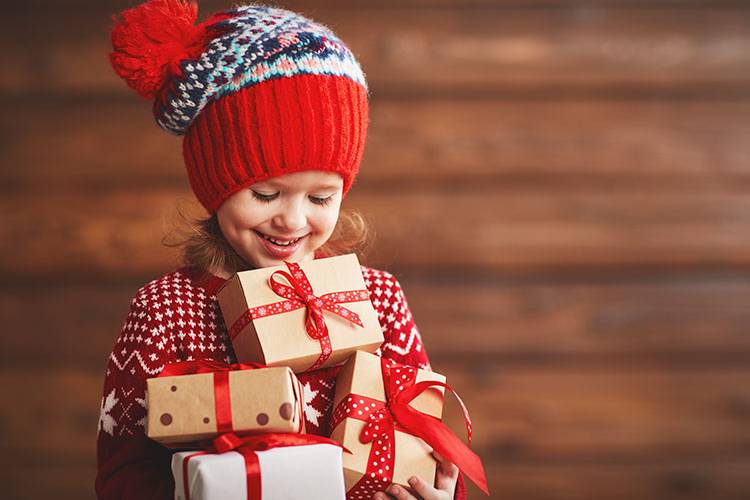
pixel 257 92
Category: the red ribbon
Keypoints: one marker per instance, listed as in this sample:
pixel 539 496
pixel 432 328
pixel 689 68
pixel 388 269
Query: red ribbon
pixel 222 396
pixel 299 293
pixel 204 366
pixel 384 418
pixel 248 446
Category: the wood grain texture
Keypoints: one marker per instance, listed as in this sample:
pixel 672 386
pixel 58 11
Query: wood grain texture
pixel 551 419
pixel 118 233
pixel 697 480
pixel 673 321
pixel 655 321
pixel 396 5
pixel 560 186
pixel 423 52
pixel 93 144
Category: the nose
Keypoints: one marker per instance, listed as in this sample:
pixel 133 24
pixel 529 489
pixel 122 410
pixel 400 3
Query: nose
pixel 291 217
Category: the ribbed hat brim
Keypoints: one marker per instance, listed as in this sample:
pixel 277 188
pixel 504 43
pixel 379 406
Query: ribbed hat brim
pixel 278 127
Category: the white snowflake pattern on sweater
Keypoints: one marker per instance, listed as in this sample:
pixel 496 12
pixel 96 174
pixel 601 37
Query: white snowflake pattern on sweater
pixel 177 318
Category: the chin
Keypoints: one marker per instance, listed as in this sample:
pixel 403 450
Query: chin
pixel 259 258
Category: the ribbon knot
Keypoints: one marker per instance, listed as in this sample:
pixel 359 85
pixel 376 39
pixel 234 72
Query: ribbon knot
pixel 315 325
pixel 227 442
pixel 298 293
pixel 383 418
pixel 379 424
pixel 299 290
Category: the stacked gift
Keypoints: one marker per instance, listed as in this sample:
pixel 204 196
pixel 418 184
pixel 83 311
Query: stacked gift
pixel 388 416
pixel 244 422
pixel 305 315
pixel 194 401
pixel 275 466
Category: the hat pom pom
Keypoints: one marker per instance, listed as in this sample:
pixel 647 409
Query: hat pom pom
pixel 150 40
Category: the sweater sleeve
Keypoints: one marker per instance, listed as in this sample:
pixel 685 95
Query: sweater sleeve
pixel 130 465
pixel 402 341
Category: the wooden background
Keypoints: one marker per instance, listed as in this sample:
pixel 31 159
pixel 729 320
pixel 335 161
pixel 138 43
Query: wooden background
pixel 562 186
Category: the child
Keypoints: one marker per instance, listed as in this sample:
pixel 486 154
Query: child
pixel 273 110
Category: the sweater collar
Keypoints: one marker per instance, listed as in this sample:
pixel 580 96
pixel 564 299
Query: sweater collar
pixel 211 283
pixel 203 279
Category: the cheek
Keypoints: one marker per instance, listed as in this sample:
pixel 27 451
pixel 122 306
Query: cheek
pixel 239 220
pixel 325 221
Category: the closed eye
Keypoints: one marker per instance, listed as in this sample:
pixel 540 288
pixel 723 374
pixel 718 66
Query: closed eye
pixel 321 201
pixel 268 198
pixel 265 198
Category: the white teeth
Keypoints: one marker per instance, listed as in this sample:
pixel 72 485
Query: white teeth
pixel 280 243
pixel 277 242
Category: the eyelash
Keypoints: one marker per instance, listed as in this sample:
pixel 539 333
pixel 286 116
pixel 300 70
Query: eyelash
pixel 268 198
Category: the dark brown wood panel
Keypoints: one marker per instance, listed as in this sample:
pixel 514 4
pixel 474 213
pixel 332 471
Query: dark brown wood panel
pixel 558 143
pixel 64 479
pixel 521 415
pixel 561 187
pixel 614 323
pixel 451 50
pixel 605 415
pixel 118 233
pixel 660 480
pixel 663 480
pixel 359 5
pixel 59 418
pixel 664 322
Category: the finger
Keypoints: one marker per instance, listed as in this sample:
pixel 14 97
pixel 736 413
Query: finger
pixel 380 496
pixel 445 468
pixel 446 477
pixel 399 493
pixel 422 488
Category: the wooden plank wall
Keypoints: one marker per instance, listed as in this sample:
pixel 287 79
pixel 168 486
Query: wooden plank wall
pixel 562 186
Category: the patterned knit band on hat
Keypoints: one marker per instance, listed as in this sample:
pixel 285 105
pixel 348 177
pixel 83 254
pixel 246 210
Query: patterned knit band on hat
pixel 257 92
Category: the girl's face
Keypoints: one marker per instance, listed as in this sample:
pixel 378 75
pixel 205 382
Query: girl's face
pixel 283 218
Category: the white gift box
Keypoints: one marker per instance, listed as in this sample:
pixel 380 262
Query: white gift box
pixel 312 472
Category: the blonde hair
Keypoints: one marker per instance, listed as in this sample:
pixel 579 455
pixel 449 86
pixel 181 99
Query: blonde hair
pixel 204 247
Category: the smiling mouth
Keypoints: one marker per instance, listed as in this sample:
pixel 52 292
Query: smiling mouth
pixel 279 242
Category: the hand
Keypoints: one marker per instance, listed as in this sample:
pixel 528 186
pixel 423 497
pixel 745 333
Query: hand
pixel 445 485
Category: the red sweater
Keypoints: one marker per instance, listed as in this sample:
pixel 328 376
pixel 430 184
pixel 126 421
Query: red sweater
pixel 177 318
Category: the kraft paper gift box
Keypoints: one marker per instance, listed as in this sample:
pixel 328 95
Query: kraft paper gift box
pixel 272 321
pixel 312 472
pixel 360 382
pixel 188 408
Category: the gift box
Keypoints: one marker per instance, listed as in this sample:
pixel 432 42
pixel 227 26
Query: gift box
pixel 305 315
pixel 361 381
pixel 388 416
pixel 281 473
pixel 193 401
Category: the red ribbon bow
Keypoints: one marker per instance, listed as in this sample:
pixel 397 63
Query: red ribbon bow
pixel 248 446
pixel 222 397
pixel 299 293
pixel 385 418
